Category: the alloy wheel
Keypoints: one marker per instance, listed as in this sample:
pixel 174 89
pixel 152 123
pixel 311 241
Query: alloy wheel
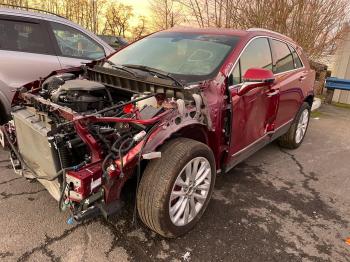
pixel 302 126
pixel 190 191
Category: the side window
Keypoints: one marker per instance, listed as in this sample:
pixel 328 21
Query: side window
pixel 297 61
pixel 257 54
pixel 283 57
pixel 24 36
pixel 73 43
pixel 236 75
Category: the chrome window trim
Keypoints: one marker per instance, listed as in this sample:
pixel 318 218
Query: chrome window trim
pixel 267 37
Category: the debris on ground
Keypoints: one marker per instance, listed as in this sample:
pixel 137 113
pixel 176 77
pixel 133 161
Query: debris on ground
pixel 348 241
pixel 186 256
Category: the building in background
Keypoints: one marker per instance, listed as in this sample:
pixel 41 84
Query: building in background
pixel 341 67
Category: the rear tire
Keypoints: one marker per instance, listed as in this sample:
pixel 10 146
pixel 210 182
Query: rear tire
pixel 164 189
pixel 296 133
pixel 3 116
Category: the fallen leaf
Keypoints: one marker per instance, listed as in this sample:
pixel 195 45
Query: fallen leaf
pixel 347 241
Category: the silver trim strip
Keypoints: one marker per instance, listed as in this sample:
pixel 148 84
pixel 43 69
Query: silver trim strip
pixel 261 138
pixel 250 145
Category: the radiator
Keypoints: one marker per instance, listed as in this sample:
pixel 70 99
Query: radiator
pixel 34 146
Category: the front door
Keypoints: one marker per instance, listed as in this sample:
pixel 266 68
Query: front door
pixel 253 114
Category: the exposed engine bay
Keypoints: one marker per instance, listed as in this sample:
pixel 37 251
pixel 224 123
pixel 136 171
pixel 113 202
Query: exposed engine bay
pixel 83 139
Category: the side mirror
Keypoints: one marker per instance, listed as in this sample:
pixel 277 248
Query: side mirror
pixel 254 78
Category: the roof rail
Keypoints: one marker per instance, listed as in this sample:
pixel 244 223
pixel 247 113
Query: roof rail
pixel 268 31
pixel 30 9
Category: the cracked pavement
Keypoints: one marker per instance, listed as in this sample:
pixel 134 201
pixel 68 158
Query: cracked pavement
pixel 279 205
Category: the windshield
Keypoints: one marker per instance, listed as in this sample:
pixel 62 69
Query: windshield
pixel 189 56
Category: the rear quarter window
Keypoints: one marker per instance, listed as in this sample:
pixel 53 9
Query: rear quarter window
pixel 296 58
pixel 283 59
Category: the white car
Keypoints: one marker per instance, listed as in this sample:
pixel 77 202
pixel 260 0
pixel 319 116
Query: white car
pixel 32 45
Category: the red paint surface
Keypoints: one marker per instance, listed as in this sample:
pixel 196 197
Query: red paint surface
pixel 249 116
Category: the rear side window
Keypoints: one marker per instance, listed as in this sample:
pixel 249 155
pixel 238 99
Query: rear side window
pixel 297 61
pixel 283 57
pixel 73 43
pixel 24 36
pixel 256 55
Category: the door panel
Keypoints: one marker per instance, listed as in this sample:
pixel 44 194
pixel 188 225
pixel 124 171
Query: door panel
pixel 19 68
pixel 68 62
pixel 290 96
pixel 289 78
pixel 253 116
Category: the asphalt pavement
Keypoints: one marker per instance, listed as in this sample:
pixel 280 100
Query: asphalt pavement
pixel 279 205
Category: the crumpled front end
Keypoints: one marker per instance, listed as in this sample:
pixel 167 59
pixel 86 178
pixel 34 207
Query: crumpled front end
pixel 84 155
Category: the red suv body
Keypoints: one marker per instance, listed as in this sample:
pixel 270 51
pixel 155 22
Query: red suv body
pixel 173 109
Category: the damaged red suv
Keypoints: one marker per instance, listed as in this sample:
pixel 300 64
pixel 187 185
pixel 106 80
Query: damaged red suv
pixel 172 109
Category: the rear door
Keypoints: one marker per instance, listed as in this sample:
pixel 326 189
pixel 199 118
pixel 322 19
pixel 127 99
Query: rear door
pixel 253 114
pixel 26 53
pixel 290 75
pixel 73 46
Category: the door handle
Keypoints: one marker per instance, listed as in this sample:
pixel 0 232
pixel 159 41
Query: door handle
pixel 273 92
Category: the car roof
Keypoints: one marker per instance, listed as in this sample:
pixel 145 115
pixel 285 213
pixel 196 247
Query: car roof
pixel 208 30
pixel 249 33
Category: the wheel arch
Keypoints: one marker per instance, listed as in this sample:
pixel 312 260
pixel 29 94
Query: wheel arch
pixel 309 99
pixel 194 131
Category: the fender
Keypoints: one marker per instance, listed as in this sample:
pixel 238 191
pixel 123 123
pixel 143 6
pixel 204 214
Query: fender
pixel 175 127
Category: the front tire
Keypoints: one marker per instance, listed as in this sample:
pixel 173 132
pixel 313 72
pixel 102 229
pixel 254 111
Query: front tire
pixel 175 189
pixel 296 133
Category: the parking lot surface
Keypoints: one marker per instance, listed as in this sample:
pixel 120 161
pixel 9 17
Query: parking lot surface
pixel 279 205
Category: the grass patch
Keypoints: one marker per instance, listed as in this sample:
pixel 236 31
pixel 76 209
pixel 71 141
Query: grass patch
pixel 341 105
pixel 316 113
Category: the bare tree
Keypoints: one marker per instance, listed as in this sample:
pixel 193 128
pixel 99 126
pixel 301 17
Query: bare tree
pixel 212 13
pixel 140 30
pixel 118 19
pixel 165 14
pixel 83 12
pixel 22 3
pixel 315 24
